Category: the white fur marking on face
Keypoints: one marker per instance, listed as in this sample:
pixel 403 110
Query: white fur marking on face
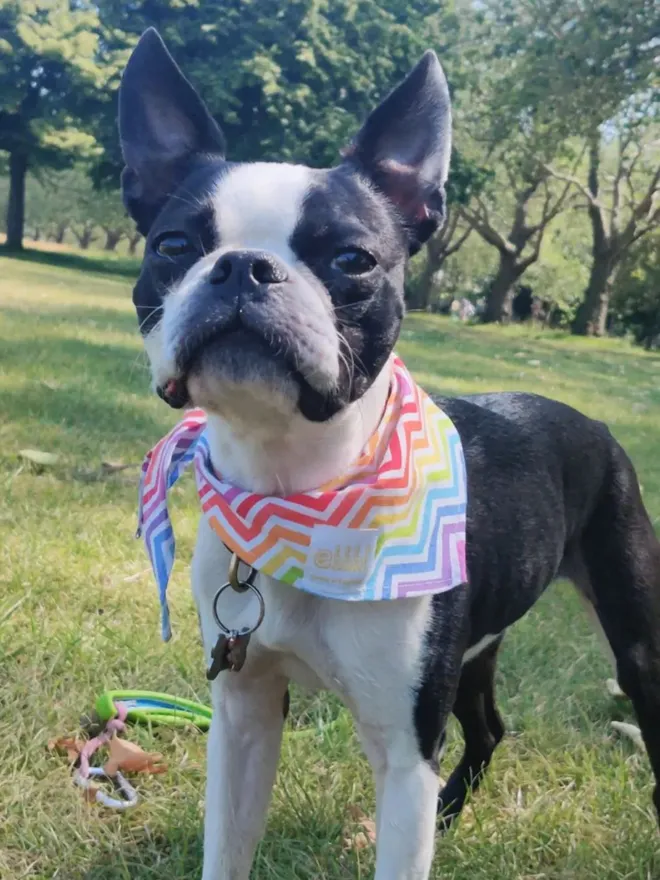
pixel 162 363
pixel 258 206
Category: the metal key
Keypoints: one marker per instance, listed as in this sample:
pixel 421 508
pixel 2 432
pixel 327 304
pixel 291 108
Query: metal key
pixel 237 650
pixel 219 659
pixel 231 647
pixel 229 652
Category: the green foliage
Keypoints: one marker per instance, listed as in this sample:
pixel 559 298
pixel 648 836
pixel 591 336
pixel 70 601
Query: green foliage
pixel 544 80
pixel 636 303
pixel 50 79
pixel 573 64
pixel 292 80
pixel 48 72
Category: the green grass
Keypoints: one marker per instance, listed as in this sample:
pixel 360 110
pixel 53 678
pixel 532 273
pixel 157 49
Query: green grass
pixel 78 613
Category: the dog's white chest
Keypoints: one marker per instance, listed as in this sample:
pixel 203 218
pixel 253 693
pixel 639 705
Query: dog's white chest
pixel 355 649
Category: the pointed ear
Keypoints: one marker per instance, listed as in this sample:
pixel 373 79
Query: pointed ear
pixel 163 124
pixel 405 145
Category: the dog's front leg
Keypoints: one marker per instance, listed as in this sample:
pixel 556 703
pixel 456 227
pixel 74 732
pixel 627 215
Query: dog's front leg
pixel 243 749
pixel 407 817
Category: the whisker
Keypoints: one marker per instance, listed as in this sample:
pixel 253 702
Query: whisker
pixel 149 316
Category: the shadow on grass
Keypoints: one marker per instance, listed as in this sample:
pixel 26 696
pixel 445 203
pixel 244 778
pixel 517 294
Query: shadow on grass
pixel 125 267
pixel 522 337
pixel 76 409
pixel 58 315
pixel 69 358
pixel 290 849
pixel 177 853
pixel 100 392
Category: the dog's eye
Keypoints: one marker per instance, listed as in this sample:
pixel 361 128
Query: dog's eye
pixel 354 261
pixel 173 244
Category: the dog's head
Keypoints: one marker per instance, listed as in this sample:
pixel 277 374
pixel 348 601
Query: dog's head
pixel 268 282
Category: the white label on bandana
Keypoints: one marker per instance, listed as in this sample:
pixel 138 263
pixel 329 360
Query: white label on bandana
pixel 341 557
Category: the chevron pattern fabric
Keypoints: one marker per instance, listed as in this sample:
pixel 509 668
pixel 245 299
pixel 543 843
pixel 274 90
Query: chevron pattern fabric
pixel 392 527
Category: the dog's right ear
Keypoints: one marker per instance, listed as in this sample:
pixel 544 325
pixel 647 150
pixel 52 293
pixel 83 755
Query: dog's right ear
pixel 163 125
pixel 404 148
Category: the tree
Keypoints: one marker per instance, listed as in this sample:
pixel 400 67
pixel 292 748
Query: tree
pixel 87 209
pixel 622 207
pixel 512 215
pixel 105 210
pixel 134 240
pixel 636 298
pixel 48 76
pixel 594 64
pixel 67 200
pixel 465 180
pixel 446 242
pixel 502 129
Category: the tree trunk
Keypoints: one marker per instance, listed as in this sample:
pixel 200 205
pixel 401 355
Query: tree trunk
pixel 36 235
pixel 499 298
pixel 591 316
pixel 133 242
pixel 424 289
pixel 60 232
pixel 112 239
pixel 84 237
pixel 436 254
pixel 18 166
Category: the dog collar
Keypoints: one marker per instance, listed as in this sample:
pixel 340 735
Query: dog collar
pixel 392 527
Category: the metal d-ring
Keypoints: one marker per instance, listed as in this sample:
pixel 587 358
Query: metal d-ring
pixel 241 587
pixel 232 576
pixel 246 630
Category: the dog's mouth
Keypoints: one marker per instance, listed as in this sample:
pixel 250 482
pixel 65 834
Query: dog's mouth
pixel 174 392
pixel 225 349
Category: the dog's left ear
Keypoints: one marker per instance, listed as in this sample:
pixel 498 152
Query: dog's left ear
pixel 405 145
pixel 163 126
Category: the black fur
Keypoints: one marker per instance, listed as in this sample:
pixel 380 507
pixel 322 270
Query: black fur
pixel 181 213
pixel 550 493
pixel 163 125
pixel 339 211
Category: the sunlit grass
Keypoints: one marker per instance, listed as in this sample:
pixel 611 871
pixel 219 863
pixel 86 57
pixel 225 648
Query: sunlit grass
pixel 78 613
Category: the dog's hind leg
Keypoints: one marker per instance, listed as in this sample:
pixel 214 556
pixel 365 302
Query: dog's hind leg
pixel 575 569
pixel 482 727
pixel 622 557
pixel 242 754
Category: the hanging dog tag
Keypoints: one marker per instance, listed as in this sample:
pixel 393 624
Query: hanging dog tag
pixel 219 659
pixel 231 648
pixel 229 652
pixel 237 651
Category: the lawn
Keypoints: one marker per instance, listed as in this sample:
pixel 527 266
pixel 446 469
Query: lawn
pixel 78 613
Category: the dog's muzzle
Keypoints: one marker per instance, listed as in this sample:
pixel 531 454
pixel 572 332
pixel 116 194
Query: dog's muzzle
pixel 238 282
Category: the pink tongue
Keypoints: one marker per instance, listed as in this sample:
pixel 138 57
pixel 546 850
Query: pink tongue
pixel 174 388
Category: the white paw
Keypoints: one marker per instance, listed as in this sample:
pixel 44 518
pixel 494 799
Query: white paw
pixel 613 688
pixel 631 731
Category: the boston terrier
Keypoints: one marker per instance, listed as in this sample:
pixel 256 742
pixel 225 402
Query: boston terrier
pixel 271 297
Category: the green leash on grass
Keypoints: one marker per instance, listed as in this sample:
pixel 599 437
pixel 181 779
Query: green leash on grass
pixel 153 708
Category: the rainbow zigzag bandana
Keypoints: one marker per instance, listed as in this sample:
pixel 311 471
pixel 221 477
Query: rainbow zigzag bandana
pixel 392 527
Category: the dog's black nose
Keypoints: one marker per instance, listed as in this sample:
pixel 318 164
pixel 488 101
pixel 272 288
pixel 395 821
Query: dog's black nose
pixel 248 270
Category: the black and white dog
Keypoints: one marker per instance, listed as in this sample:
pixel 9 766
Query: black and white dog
pixel 271 295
